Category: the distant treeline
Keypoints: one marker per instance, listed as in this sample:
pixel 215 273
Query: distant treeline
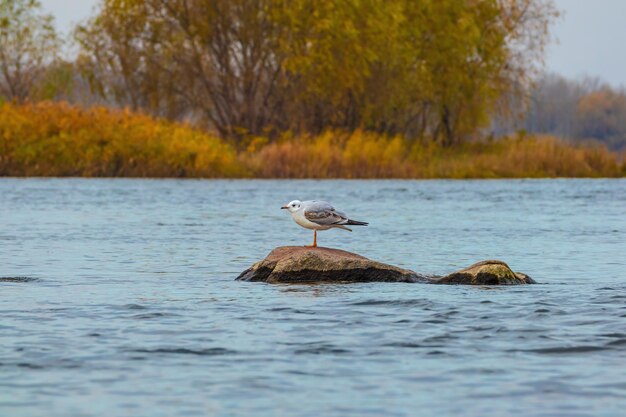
pixel 579 110
pixel 56 139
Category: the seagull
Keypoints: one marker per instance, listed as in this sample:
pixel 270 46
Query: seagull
pixel 319 215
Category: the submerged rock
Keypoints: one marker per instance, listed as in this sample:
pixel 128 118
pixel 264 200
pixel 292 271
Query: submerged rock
pixel 486 273
pixel 298 265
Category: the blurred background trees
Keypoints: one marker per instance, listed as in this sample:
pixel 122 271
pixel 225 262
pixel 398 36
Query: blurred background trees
pixel 424 69
pixel 446 71
pixel 580 110
pixel 28 46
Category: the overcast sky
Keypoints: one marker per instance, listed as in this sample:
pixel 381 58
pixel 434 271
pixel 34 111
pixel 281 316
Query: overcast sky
pixel 591 35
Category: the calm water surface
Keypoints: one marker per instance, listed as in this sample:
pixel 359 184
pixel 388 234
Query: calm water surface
pixel 118 298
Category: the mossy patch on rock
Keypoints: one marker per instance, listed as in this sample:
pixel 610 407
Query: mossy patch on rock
pixel 489 272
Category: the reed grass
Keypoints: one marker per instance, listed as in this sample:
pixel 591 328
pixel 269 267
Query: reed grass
pixel 367 155
pixel 56 139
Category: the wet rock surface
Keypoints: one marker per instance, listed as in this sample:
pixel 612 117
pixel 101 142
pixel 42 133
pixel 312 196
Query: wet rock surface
pixel 298 264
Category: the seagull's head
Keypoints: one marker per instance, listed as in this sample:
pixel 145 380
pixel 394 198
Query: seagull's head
pixel 293 206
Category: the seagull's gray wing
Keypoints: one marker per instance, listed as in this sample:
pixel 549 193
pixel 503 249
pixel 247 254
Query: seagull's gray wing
pixel 322 213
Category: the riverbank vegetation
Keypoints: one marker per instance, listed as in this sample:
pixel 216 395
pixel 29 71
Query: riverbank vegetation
pixel 293 89
pixel 57 139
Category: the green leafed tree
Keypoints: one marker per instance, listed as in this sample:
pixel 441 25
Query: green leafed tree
pixel 28 44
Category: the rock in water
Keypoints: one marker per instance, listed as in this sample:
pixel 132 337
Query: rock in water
pixel 486 273
pixel 299 265
pixel 302 265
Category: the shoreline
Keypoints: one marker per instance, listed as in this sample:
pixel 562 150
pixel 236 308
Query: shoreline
pixel 50 139
pixel 224 179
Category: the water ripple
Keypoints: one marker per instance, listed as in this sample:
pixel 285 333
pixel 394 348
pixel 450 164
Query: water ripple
pixel 186 351
pixel 18 279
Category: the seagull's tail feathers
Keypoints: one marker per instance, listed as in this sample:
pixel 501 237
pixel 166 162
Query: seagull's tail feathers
pixel 357 223
pixel 341 226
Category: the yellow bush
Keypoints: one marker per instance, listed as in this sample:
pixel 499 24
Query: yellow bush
pixel 56 139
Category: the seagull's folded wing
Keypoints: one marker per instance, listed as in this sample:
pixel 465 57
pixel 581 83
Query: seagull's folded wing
pixel 324 214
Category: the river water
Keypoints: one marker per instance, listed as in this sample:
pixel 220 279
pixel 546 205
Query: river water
pixel 118 298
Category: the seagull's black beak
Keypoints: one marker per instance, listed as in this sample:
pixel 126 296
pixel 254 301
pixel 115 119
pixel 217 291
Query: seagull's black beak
pixel 284 207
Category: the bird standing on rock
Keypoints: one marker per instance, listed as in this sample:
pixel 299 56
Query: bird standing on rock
pixel 319 215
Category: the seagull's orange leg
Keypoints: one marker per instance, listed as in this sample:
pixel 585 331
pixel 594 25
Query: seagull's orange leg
pixel 314 245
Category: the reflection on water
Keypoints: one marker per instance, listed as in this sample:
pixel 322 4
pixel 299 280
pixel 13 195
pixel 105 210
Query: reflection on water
pixel 118 298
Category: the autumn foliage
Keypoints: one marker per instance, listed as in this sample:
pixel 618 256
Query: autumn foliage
pixel 56 139
pixel 367 155
pixel 419 68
